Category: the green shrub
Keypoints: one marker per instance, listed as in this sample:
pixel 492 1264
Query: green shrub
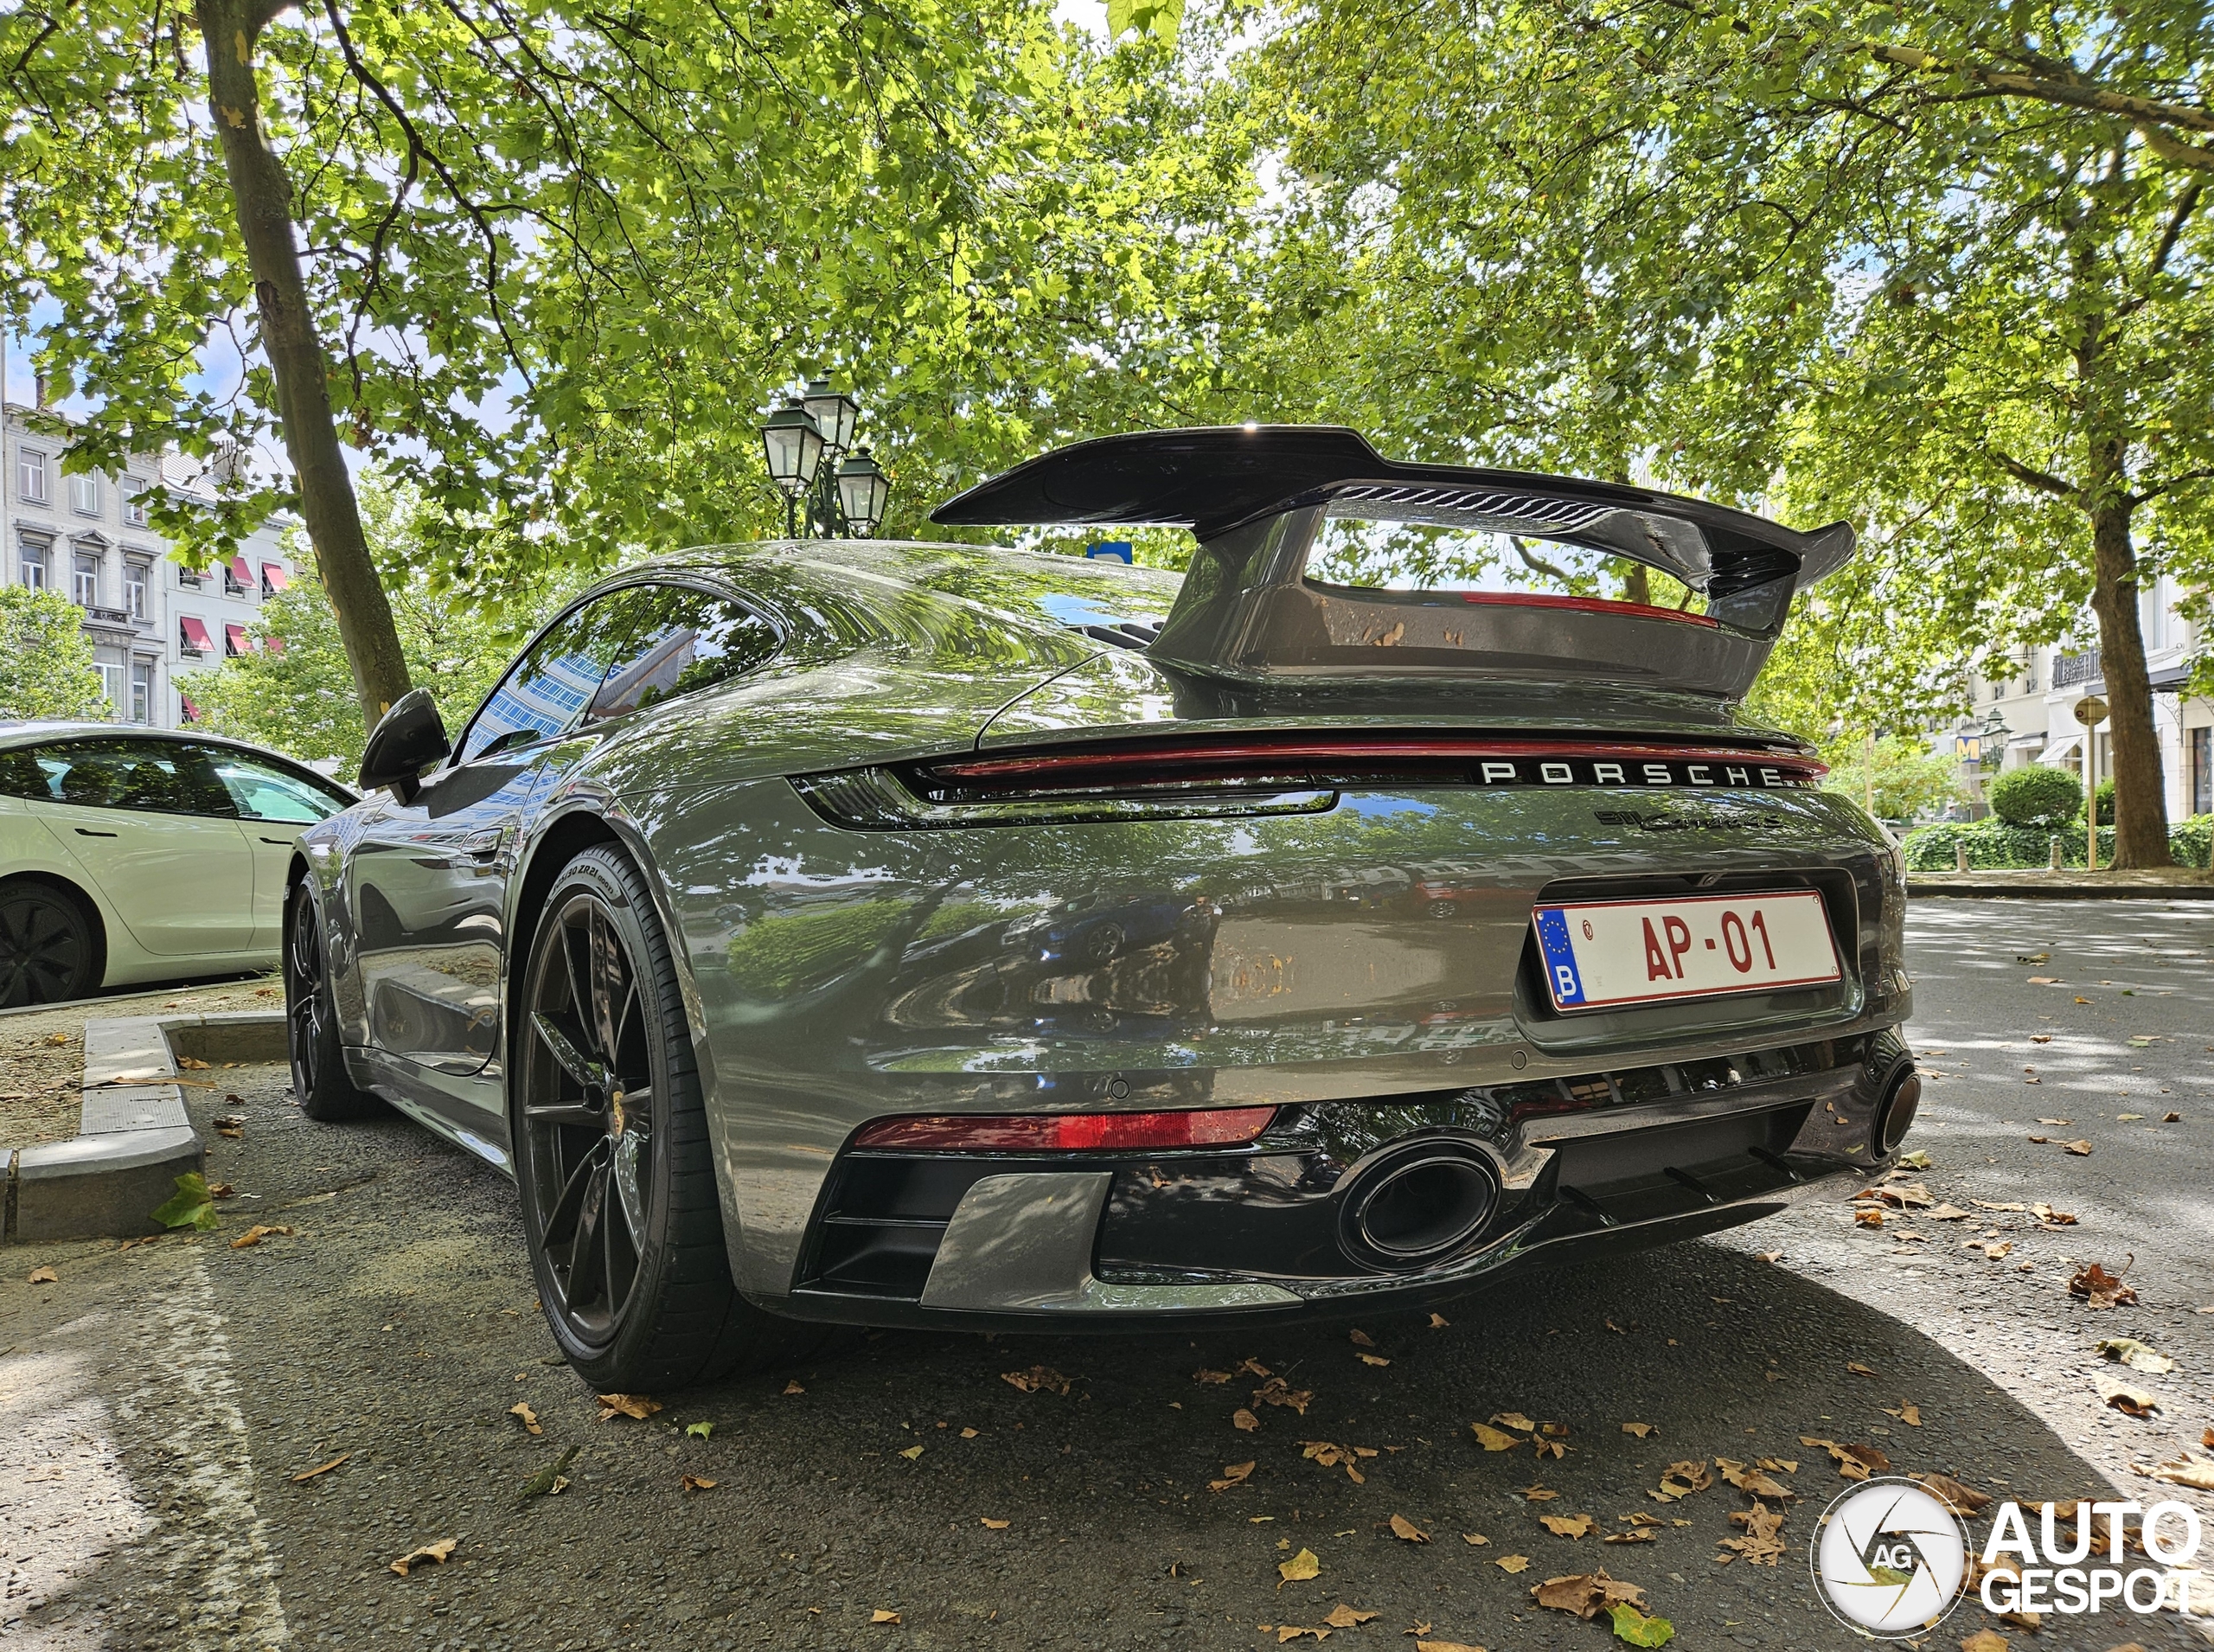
pixel 1995 846
pixel 2106 803
pixel 2036 795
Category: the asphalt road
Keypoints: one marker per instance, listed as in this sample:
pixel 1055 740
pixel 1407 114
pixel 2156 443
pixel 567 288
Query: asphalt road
pixel 159 1402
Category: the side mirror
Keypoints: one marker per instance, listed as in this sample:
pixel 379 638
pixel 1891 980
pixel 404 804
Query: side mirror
pixel 406 740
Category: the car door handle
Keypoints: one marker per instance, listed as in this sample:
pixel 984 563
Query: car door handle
pixel 482 846
pixel 86 831
pixel 281 842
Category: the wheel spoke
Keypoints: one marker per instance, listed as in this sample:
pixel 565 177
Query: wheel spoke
pixel 630 1153
pixel 588 1254
pixel 607 983
pixel 576 968
pixel 584 1071
pixel 558 1113
pixel 563 1215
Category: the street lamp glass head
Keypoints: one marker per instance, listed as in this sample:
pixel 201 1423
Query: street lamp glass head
pixel 834 413
pixel 793 445
pixel 862 490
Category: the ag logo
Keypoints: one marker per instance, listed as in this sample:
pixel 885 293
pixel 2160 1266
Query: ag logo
pixel 1889 1559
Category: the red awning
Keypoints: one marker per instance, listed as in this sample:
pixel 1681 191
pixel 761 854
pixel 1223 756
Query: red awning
pixel 194 634
pixel 236 636
pixel 274 578
pixel 191 711
pixel 276 645
pixel 241 573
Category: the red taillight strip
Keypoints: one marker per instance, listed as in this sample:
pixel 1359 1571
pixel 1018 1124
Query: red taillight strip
pixel 1300 748
pixel 1587 605
pixel 1068 1132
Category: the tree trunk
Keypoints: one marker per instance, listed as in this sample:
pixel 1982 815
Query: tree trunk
pixel 2140 804
pixel 262 196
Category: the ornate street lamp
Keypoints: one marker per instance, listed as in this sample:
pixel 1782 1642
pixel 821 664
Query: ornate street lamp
pixel 792 442
pixel 845 496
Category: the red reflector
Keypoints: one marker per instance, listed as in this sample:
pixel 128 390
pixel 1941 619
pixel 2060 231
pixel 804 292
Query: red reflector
pixel 1068 1132
pixel 1585 606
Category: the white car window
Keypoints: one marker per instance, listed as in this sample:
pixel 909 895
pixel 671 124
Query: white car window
pixel 263 792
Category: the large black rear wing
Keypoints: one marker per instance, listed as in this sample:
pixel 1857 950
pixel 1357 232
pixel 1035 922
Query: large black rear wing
pixel 1257 498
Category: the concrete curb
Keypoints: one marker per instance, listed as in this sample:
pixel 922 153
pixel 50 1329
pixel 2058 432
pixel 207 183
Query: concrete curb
pixel 2046 885
pixel 133 1137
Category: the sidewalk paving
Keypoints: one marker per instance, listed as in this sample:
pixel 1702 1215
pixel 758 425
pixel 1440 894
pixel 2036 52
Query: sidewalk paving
pixel 2163 883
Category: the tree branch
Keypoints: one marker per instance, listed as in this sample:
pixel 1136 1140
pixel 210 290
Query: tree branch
pixel 2030 476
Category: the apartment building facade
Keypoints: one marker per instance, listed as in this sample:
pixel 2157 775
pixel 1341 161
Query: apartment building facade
pixel 151 621
pixel 2029 718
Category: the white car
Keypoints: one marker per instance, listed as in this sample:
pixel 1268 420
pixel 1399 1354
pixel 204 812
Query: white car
pixel 142 854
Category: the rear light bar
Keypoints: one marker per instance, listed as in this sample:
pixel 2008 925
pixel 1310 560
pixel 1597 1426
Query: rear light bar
pixel 1586 605
pixel 1288 773
pixel 1068 1132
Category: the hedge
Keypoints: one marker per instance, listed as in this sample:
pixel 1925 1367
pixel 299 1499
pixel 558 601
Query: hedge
pixel 1993 846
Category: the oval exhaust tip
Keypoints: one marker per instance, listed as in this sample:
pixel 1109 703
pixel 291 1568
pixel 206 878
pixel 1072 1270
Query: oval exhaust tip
pixel 1420 1206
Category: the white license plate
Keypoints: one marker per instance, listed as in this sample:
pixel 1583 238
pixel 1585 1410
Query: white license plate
pixel 1609 952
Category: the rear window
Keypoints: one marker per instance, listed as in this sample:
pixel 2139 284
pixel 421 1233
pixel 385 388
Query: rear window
pixel 1461 552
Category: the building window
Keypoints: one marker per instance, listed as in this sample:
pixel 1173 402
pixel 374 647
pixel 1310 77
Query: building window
pixel 85 494
pixel 85 582
pixel 135 490
pixel 111 682
pixel 2202 770
pixel 2030 673
pixel 30 476
pixel 232 585
pixel 34 564
pixel 134 588
pixel 189 580
pixel 142 691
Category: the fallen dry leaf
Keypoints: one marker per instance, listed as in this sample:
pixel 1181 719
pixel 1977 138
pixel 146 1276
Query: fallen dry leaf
pixel 967 1433
pixel 2039 1141
pixel 1475 1539
pixel 1641 1429
pixel 1537 1494
pixel 1205 1375
pixel 1908 1412
pixel 1344 1617
pixel 1445 1646
pixel 1948 1213
pixel 1859 1369
pixel 1998 1252
pixel 1234 1474
pixel 1292 1632
pixel 2082 1149
pixel 2099 1288
pixel 1276 1391
pixel 2052 1218
pixel 880 1616
pixel 1586 1594
pixel 912 1453
pixel 1550 1448
pixel 635 1405
pixel 529 1417
pixel 1438 1322
pixel 1252 1368
pixel 1984 1640
pixel 1984 1204
pixel 1961 1499
pixel 255 1234
pixel 43 1277
pixel 1512 1563
pixel 2188 1471
pixel 1405 1530
pixel 1567 1525
pixel 1761 1545
pixel 1681 1479
pixel 190 1065
pixel 1331 1456
pixel 1493 1439
pixel 1037 1378
pixel 1300 1567
pixel 2135 1402
pixel 1362 1339
pixel 324 1467
pixel 1515 1420
pixel 791 1386
pixel 991 1524
pixel 1754 1481
pixel 1244 1420
pixel 434 1552
pixel 2140 1356
pixel 696 1483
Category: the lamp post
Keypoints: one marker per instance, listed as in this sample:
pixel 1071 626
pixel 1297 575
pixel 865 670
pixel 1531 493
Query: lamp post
pixel 844 497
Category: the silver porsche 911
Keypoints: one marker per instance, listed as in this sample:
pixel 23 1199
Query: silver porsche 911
pixel 846 932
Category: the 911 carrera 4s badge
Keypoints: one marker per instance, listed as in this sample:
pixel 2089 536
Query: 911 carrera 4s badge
pixel 1610 952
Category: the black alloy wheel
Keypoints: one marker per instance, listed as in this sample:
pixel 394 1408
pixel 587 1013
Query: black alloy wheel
pixel 320 1082
pixel 47 950
pixel 611 1153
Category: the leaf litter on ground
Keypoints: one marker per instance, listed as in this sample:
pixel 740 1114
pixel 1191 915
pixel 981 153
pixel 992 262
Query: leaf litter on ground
pixel 436 1552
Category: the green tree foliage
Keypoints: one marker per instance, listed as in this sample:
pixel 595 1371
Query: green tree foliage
pixel 294 690
pixel 2035 795
pixel 1897 778
pixel 46 659
pixel 1937 270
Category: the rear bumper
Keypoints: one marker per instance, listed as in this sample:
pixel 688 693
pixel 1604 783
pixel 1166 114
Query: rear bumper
pixel 1607 1162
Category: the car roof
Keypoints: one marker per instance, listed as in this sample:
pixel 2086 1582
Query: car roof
pixel 30 731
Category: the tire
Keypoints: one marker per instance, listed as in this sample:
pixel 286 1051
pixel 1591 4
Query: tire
pixel 326 1091
pixel 49 945
pixel 611 1153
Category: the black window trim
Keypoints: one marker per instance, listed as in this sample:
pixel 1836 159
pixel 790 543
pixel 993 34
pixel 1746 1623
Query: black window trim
pixel 137 737
pixel 687 580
